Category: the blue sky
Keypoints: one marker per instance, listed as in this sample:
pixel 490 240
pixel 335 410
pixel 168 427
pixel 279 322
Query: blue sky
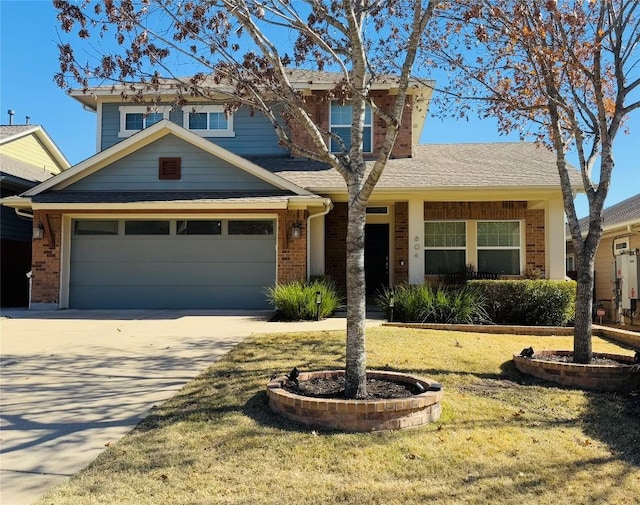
pixel 28 61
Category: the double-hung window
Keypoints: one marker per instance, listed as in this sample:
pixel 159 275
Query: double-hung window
pixel 499 247
pixel 445 247
pixel 208 120
pixel 134 118
pixel 341 124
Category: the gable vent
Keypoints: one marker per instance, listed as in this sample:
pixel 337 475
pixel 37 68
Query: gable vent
pixel 169 168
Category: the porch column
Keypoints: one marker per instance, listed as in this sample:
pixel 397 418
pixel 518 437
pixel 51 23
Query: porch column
pixel 556 244
pixel 416 241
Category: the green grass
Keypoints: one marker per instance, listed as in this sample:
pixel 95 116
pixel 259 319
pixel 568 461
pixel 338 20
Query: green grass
pixel 503 438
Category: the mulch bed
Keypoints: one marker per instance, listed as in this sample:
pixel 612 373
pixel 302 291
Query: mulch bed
pixel 569 359
pixel 334 388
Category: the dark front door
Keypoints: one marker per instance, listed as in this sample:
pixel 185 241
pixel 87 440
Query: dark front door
pixel 376 257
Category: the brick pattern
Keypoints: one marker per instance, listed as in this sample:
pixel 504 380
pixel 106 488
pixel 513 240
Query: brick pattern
pixel 534 223
pixel 625 377
pixel 335 237
pixel 292 252
pixel 318 108
pixel 401 240
pixel 357 415
pixel 535 241
pixel 45 263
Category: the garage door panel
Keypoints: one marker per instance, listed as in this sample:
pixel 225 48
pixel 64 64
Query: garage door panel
pixel 142 297
pixel 171 271
pixel 172 250
pixel 172 274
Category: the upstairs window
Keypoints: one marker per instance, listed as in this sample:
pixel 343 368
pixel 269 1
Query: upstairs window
pixel 208 121
pixel 341 123
pixel 134 118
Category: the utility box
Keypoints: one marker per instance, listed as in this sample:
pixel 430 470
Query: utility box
pixel 628 276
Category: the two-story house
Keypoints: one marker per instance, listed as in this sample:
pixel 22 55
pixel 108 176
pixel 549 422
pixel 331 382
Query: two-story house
pixel 188 207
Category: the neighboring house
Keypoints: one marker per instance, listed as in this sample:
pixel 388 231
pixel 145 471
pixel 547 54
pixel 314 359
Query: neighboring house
pixel 620 243
pixel 28 156
pixel 185 207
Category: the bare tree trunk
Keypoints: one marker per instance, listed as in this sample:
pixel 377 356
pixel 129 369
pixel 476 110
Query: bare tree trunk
pixel 356 367
pixel 582 348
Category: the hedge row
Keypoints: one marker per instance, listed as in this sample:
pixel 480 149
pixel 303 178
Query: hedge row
pixel 529 302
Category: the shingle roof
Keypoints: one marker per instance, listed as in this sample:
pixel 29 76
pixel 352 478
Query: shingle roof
pixel 17 168
pixel 619 213
pixel 11 130
pixel 487 165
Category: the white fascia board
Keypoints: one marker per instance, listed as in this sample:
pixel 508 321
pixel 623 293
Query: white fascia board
pixel 149 135
pixel 478 193
pixel 159 206
pixel 16 202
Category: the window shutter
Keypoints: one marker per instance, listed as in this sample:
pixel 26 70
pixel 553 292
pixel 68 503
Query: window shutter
pixel 169 168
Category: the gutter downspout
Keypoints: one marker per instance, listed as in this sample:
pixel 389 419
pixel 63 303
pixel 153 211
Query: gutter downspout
pixel 328 206
pixel 22 213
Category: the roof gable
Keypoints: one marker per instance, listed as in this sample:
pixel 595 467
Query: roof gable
pixel 10 134
pixel 116 154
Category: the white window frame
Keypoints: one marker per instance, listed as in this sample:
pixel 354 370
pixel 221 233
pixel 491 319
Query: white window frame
pixel 350 125
pixel 139 109
pixel 570 259
pixel 464 248
pixel 228 132
pixel 519 247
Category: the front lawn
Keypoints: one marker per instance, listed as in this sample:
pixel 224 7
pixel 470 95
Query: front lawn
pixel 502 439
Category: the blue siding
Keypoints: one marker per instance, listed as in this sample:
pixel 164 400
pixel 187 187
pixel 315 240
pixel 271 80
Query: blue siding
pixel 254 134
pixel 200 171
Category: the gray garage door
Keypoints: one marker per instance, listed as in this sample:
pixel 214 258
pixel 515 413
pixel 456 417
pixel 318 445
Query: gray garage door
pixel 172 264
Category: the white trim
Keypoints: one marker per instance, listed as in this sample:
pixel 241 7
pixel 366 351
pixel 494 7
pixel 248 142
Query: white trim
pixel 149 135
pixel 228 132
pixel 99 128
pixel 139 109
pixel 416 241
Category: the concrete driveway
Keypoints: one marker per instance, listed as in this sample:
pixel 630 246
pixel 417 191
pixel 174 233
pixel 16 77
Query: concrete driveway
pixel 74 381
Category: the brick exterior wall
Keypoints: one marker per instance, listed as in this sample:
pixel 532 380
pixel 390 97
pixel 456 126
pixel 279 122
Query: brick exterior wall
pixel 335 237
pixel 401 239
pixel 535 241
pixel 292 253
pixel 318 108
pixel 45 262
pixel 534 223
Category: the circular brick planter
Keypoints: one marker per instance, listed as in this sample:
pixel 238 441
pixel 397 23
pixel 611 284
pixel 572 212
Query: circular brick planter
pixel 623 377
pixel 357 415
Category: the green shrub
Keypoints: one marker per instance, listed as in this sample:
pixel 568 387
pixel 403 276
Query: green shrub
pixel 296 300
pixel 529 302
pixel 421 303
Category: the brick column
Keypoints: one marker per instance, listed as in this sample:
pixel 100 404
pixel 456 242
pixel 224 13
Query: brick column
pixel 292 252
pixel 401 231
pixel 45 263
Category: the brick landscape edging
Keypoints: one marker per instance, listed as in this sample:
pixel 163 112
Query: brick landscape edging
pixel 357 415
pixel 624 377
